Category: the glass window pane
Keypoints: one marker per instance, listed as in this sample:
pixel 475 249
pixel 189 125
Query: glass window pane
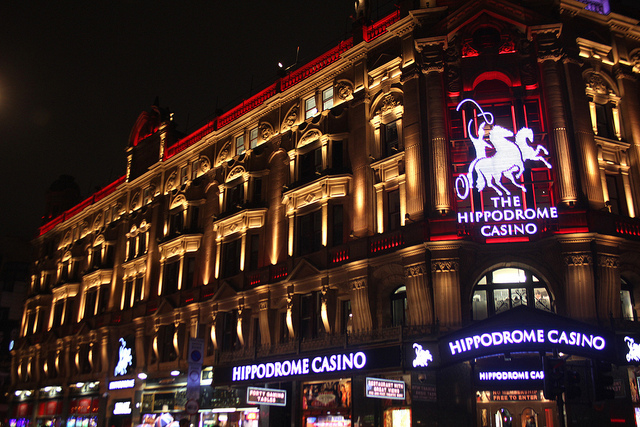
pixel 509 275
pixel 518 297
pixel 627 306
pixel 542 299
pixel 327 98
pixel 501 300
pixel 479 305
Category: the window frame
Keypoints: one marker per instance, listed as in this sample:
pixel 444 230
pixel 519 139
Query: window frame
pixel 239 144
pixel 310 110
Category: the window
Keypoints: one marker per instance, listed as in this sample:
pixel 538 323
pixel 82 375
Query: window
pixel 137 297
pixel 184 175
pixel 310 108
pixel 103 299
pixel 257 190
pixel 399 306
pixel 337 225
pixel 390 137
pixel 327 98
pixel 253 138
pixel 240 145
pixel 310 233
pixel 235 196
pixel 626 300
pixel 506 288
pixel 229 330
pixel 337 156
pixel 58 309
pixel 310 320
pixel 310 165
pixel 176 223
pixel 195 168
pixel 254 251
pixel 604 121
pixel 347 317
pixel 393 210
pixel 171 277
pixel 615 192
pixel 190 268
pixel 128 290
pixel 231 258
pixel 167 350
pixel 257 338
pixel 90 302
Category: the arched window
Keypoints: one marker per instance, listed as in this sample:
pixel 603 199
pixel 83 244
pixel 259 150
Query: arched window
pixel 399 306
pixel 506 288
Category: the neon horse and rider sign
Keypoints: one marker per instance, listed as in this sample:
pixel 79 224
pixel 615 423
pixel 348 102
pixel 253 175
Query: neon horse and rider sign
pixel 499 163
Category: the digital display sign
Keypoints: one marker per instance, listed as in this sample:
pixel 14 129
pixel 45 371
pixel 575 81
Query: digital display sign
pixel 266 396
pixel 379 388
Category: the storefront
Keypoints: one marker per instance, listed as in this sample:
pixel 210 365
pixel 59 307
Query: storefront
pixel 327 389
pixel 23 410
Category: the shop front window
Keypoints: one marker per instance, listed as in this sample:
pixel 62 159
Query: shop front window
pixel 506 288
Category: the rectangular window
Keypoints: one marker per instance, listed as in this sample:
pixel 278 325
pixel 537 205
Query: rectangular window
pixel 176 223
pixel 347 317
pixel 128 290
pixel 257 338
pixel 235 196
pixel 616 196
pixel 240 145
pixel 57 313
pixel 253 138
pixel 310 320
pixel 284 330
pixel 310 233
pixel 142 243
pixel 310 165
pixel 68 312
pixel 393 210
pixel 337 156
pixel 337 225
pixel 184 174
pixel 391 138
pixel 103 303
pixel 138 287
pixel 327 98
pixel 257 190
pixel 170 279
pixel 254 251
pixel 230 335
pixel 310 108
pixel 190 269
pixel 231 258
pixel 604 121
pixel 195 168
pixel 90 302
pixel 167 350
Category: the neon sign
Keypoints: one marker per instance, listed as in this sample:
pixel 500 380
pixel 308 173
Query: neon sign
pixel 304 366
pixel 266 396
pixel 501 338
pixel 423 357
pixel 125 359
pixel 121 384
pixel 634 350
pixel 506 162
pixel 385 389
pixel 510 375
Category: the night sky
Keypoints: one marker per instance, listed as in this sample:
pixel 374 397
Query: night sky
pixel 74 76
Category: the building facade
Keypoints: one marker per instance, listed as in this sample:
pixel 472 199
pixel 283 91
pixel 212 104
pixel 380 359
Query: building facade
pixel 413 229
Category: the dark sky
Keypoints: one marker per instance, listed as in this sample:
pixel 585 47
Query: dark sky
pixel 75 75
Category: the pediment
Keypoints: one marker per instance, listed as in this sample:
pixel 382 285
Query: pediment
pixel 302 270
pixel 165 307
pixel 226 290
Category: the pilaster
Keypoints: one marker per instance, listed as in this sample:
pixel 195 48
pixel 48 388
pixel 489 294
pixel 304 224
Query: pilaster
pixel 446 291
pixel 419 301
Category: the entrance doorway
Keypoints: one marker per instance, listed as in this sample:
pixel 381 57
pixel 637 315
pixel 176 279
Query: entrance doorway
pixel 515 408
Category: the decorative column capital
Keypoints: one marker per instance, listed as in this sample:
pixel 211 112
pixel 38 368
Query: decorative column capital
pixel 578 259
pixel 358 283
pixel 445 265
pixel 415 270
pixel 609 261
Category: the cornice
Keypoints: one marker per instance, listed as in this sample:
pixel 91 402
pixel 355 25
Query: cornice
pixel 180 246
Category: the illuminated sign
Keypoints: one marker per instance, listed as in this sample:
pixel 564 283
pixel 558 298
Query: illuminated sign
pixel 633 355
pixel 385 389
pixel 303 366
pixel 508 216
pixel 121 384
pixel 497 339
pixel 266 396
pixel 510 375
pixel 423 357
pixel 125 359
pixel 122 408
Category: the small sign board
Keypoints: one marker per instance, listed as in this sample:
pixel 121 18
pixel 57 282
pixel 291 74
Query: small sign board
pixel 266 396
pixel 380 388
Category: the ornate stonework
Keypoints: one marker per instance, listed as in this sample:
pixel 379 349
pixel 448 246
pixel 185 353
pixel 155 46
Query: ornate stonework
pixel 578 259
pixel 266 130
pixel 444 265
pixel 357 284
pixel 415 270
pixel 344 90
pixel 609 261
pixel 290 118
pixel 596 83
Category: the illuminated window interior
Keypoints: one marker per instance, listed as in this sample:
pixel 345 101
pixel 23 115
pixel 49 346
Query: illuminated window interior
pixel 505 288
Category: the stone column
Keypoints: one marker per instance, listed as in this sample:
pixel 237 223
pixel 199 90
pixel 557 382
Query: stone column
pixel 446 291
pixel 264 320
pixel 419 301
pixel 440 169
pixel 141 348
pixel 579 286
pixel 548 54
pixel 586 149
pixel 360 306
pixel 412 139
pixel 630 112
pixel 608 286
